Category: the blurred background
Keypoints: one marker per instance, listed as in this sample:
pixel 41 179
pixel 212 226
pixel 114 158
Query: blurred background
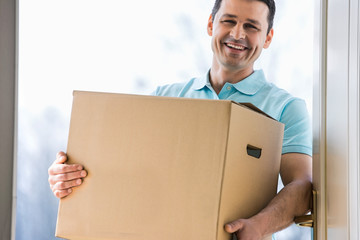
pixel 131 47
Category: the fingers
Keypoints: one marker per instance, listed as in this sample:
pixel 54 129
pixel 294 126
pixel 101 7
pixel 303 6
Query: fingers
pixel 60 157
pixel 66 185
pixel 62 193
pixel 234 226
pixel 64 188
pixel 64 168
pixel 63 177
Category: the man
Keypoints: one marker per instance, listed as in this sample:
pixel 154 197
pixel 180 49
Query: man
pixel 240 29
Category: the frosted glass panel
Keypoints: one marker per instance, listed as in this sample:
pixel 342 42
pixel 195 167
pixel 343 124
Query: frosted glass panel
pixel 131 47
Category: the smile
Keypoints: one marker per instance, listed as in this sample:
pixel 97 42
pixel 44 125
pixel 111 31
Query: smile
pixel 237 47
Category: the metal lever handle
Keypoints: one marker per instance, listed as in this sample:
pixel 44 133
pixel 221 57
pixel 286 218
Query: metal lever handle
pixel 305 221
pixel 309 220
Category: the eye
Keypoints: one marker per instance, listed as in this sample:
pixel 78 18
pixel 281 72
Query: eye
pixel 229 21
pixel 250 26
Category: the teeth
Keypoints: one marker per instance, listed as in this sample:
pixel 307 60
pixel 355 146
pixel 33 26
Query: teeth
pixel 235 46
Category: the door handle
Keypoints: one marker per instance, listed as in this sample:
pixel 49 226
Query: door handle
pixel 309 220
pixel 305 221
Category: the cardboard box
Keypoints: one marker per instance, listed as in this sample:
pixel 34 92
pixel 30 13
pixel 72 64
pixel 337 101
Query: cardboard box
pixel 164 168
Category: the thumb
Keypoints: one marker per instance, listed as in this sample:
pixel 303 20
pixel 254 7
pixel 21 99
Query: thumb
pixel 234 226
pixel 60 158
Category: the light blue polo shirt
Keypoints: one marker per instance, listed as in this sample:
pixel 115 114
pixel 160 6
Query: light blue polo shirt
pixel 254 89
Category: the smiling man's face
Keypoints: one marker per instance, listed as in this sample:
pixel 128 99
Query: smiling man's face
pixel 239 33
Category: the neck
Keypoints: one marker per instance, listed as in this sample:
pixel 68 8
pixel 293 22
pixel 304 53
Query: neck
pixel 220 75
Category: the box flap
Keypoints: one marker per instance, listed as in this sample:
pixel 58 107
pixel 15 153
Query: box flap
pixel 253 107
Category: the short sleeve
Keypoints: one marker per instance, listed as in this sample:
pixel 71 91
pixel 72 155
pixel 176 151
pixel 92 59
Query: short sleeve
pixel 155 92
pixel 298 131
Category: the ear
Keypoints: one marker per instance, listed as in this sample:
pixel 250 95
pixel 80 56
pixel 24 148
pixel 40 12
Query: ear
pixel 268 39
pixel 210 25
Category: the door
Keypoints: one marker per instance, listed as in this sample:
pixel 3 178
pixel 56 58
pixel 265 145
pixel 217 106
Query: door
pixel 336 119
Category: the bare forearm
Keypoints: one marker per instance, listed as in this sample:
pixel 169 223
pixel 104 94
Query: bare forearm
pixel 293 200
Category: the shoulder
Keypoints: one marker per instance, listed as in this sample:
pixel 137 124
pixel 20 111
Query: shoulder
pixel 281 96
pixel 176 89
pixel 292 112
pixel 275 100
pixel 169 89
pixel 265 95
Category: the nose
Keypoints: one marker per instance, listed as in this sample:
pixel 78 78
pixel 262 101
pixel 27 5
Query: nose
pixel 238 32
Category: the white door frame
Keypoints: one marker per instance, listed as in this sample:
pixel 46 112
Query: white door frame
pixel 354 119
pixel 336 118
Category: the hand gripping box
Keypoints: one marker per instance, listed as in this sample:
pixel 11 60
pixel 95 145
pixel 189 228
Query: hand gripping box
pixel 163 168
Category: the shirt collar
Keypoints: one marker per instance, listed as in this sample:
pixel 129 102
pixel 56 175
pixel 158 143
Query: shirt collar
pixel 252 84
pixel 249 86
pixel 203 81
